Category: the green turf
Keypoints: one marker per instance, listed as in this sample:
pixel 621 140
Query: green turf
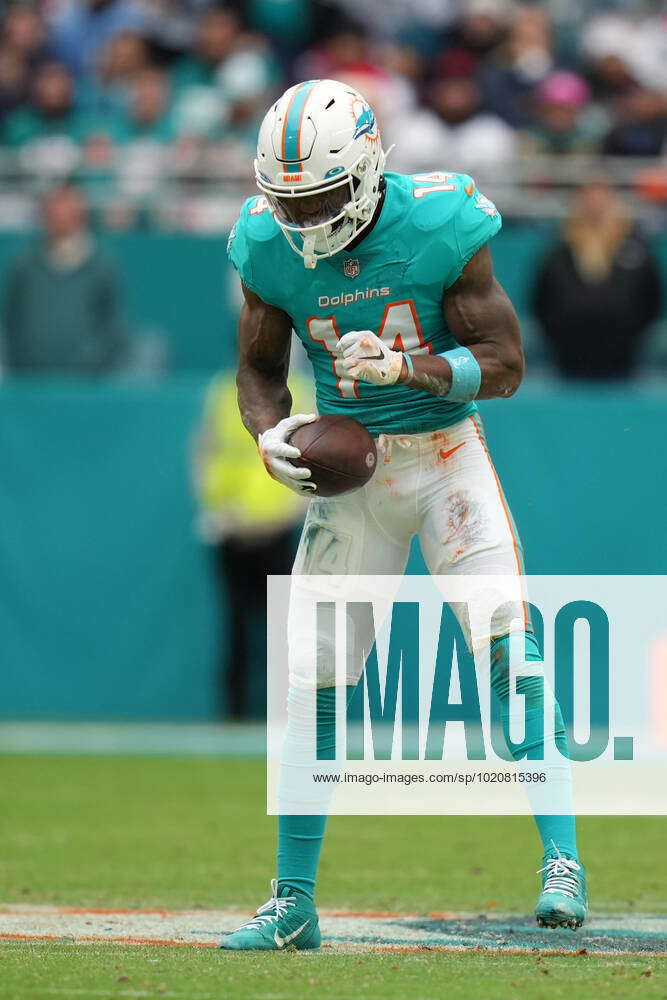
pixel 167 832
pixel 50 970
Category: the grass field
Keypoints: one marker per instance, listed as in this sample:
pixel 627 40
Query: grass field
pixel 191 833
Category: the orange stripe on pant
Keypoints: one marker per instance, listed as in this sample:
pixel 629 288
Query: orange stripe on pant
pixel 510 525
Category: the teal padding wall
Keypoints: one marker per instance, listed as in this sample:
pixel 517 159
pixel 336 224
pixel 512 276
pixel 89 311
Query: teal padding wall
pixel 106 605
pixel 106 602
pixel 107 608
pixel 181 285
pixel 175 284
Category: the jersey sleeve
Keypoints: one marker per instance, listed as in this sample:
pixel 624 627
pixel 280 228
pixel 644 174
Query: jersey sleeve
pixel 254 247
pixel 475 221
pixel 238 248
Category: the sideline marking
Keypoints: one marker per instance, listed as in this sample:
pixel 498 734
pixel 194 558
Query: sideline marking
pixel 344 932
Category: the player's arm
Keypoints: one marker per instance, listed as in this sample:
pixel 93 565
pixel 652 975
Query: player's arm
pixel 483 321
pixel 265 335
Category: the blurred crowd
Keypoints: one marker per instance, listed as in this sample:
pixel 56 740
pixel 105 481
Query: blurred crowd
pixel 124 91
pixel 150 106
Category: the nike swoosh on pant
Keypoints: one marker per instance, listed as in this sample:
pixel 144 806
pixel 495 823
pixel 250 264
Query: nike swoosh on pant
pixel 445 454
pixel 282 941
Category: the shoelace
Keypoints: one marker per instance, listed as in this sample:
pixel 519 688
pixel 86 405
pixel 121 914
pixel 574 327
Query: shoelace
pixel 561 874
pixel 277 905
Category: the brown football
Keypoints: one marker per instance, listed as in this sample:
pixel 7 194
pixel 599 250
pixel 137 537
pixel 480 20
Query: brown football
pixel 339 452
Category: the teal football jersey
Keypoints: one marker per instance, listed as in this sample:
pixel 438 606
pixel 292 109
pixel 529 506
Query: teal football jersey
pixel 392 283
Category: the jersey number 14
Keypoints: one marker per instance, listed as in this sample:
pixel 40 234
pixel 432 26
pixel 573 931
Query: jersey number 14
pixel 399 329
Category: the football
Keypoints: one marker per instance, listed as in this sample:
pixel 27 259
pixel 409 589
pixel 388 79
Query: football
pixel 339 452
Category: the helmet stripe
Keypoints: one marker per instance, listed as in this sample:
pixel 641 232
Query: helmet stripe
pixel 292 126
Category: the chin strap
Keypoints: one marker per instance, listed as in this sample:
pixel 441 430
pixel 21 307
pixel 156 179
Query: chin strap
pixel 309 258
pixel 360 217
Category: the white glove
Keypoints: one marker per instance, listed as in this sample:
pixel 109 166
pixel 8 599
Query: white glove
pixel 275 450
pixel 365 357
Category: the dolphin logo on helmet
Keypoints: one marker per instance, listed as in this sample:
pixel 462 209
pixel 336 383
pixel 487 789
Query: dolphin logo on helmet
pixel 365 124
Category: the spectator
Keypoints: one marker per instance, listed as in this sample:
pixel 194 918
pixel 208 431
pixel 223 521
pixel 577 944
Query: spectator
pixel 248 520
pixel 172 21
pixel 84 27
pixel 24 32
pixel 122 60
pixel 62 312
pixel 217 36
pixel 144 135
pixel 649 52
pixel 52 115
pixel 14 77
pixel 223 87
pixel 148 112
pixel 641 128
pixel 288 23
pixel 510 74
pixel 455 133
pixel 560 126
pixel 246 83
pixel 598 290
pixel 419 23
pixel 481 28
pixel 607 44
pixel 344 51
pixel 347 55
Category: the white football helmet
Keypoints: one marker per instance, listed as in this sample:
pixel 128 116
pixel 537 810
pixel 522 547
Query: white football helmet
pixel 319 164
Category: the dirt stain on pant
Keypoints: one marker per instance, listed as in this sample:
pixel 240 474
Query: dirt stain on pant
pixel 466 523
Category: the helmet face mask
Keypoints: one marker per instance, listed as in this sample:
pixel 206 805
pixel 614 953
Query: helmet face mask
pixel 319 164
pixel 325 206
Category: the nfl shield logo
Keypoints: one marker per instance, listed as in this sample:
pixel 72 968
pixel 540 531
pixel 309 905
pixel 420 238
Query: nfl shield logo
pixel 351 268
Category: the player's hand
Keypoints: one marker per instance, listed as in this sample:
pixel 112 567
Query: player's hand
pixel 275 450
pixel 365 357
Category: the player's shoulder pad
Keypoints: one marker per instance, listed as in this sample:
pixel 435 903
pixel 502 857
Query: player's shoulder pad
pixel 250 237
pixel 459 219
pixel 475 221
pixel 474 204
pixel 441 197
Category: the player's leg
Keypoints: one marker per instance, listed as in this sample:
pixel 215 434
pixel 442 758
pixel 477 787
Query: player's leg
pixel 467 529
pixel 341 536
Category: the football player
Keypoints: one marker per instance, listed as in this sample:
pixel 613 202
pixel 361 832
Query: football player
pixel 388 281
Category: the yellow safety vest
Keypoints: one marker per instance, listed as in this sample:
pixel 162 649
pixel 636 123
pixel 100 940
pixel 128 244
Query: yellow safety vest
pixel 231 478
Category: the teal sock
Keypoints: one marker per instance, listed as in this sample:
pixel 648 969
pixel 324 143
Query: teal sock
pixel 299 846
pixel 559 830
pixel 300 837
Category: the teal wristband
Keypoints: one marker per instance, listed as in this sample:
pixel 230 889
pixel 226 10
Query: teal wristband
pixel 466 375
pixel 409 365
